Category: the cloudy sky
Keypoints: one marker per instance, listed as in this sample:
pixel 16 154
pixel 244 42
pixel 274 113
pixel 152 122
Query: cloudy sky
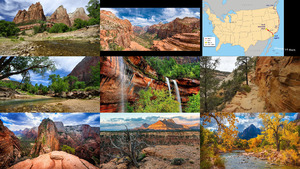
pixel 116 121
pixel 9 8
pixel 246 119
pixel 64 66
pixel 150 16
pixel 20 121
pixel 226 63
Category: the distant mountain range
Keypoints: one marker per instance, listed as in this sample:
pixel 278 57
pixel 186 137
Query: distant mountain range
pixel 168 124
pixel 249 132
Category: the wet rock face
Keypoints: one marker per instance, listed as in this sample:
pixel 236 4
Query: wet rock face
pixel 278 79
pixel 55 159
pixel 60 16
pixel 10 149
pixel 35 12
pixel 114 30
pixel 47 139
pixel 138 75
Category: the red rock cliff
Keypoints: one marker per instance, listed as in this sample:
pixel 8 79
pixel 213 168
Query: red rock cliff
pixel 114 30
pixel 278 79
pixel 10 149
pixel 35 12
pixel 60 15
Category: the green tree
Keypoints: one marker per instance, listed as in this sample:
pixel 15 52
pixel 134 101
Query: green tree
pixel 93 7
pixel 193 105
pixel 10 65
pixel 208 83
pixel 68 149
pixel 59 28
pixel 8 28
pixel 242 61
pixel 156 101
pixel 95 80
pixel 79 23
pixel 58 84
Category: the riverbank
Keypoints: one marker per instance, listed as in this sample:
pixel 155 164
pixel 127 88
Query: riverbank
pixel 82 42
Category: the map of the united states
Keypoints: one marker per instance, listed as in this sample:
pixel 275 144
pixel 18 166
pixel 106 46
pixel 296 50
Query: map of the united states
pixel 245 27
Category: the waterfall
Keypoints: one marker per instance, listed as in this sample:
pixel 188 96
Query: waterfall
pixel 177 95
pixel 168 82
pixel 122 78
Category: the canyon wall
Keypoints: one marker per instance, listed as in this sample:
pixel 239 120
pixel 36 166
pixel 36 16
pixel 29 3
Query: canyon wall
pixel 114 30
pixel 60 15
pixel 278 79
pixel 10 147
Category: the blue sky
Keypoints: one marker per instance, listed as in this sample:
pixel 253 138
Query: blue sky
pixel 150 16
pixel 64 66
pixel 20 121
pixel 9 8
pixel 116 121
pixel 246 119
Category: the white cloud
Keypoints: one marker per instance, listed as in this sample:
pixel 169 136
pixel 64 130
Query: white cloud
pixel 114 11
pixel 227 63
pixel 1 18
pixel 66 63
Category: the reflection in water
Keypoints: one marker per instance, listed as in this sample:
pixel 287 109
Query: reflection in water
pixel 236 160
pixel 66 48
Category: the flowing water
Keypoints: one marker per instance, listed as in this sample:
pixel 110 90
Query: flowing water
pixel 122 78
pixel 235 160
pixel 66 48
pixel 168 82
pixel 177 95
pixel 25 104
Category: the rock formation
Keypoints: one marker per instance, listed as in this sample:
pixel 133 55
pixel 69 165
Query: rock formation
pixel 78 13
pixel 60 16
pixel 83 69
pixel 278 79
pixel 47 139
pixel 178 42
pixel 54 160
pixel 10 149
pixel 114 30
pixel 168 124
pixel 35 12
pixel 138 75
pixel 249 132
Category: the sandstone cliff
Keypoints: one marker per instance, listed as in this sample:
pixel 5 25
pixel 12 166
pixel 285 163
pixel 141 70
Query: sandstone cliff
pixel 83 69
pixel 60 15
pixel 54 160
pixel 35 12
pixel 10 149
pixel 114 30
pixel 278 79
pixel 47 139
pixel 78 13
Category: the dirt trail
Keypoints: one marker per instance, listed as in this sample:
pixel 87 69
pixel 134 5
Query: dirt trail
pixel 246 102
pixel 134 46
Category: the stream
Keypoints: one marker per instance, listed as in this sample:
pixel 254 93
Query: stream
pixel 235 160
pixel 66 48
pixel 29 105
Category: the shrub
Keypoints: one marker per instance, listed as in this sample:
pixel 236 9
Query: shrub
pixel 68 149
pixel 79 23
pixel 59 28
pixel 8 28
pixel 177 161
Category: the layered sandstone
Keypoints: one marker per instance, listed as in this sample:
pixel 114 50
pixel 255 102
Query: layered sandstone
pixel 60 15
pixel 278 79
pixel 78 13
pixel 54 160
pixel 47 139
pixel 114 30
pixel 178 42
pixel 10 149
pixel 35 12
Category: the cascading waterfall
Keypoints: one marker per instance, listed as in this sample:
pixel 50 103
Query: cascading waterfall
pixel 122 78
pixel 168 82
pixel 177 95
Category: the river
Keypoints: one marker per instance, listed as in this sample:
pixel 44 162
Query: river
pixel 66 48
pixel 235 160
pixel 29 105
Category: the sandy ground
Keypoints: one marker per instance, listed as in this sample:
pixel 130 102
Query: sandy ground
pixel 79 105
pixel 246 102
